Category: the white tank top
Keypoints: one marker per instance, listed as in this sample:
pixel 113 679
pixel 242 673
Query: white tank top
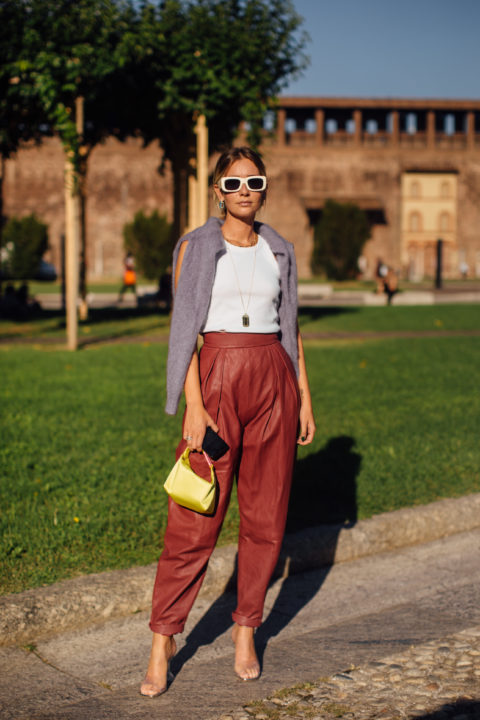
pixel 226 309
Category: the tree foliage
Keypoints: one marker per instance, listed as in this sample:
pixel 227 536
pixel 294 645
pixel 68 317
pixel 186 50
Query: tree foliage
pixel 24 242
pixel 149 239
pixel 67 50
pixel 18 120
pixel 225 59
pixel 339 238
pixel 68 54
pixel 150 68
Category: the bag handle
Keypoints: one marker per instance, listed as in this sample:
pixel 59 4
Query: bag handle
pixel 187 452
pixel 209 460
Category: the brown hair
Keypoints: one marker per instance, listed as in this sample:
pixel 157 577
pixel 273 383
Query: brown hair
pixel 228 157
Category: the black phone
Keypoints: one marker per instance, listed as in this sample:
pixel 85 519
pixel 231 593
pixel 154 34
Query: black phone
pixel 213 444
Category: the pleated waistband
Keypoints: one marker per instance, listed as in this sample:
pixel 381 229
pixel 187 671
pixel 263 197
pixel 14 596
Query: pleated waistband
pixel 226 339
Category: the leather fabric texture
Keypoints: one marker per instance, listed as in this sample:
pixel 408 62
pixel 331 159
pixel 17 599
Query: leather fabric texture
pixel 249 387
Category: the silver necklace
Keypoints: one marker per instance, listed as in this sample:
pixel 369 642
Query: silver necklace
pixel 245 316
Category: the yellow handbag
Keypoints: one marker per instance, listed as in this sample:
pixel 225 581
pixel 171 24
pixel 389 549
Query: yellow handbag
pixel 190 490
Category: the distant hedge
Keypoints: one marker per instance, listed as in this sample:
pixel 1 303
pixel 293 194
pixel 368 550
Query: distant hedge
pixel 24 242
pixel 149 239
pixel 339 237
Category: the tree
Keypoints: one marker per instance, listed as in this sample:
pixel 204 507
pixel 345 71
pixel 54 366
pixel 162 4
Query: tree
pixel 17 122
pixel 339 238
pixel 25 241
pixel 149 239
pixel 224 59
pixel 68 51
pixel 151 68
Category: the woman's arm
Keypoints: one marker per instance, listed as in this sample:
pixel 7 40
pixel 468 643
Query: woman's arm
pixel 196 417
pixel 307 421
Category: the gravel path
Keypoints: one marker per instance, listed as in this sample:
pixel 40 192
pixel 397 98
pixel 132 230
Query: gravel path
pixel 437 680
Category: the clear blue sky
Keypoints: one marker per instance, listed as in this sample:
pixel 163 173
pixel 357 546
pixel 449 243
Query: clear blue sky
pixel 391 48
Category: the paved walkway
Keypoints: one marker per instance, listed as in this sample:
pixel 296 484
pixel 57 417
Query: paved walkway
pixel 436 680
pixel 310 295
pixel 366 614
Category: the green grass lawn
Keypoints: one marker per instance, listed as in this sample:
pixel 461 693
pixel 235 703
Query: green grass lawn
pixel 86 446
pixel 395 318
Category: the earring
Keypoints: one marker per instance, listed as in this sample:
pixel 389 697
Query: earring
pixel 221 204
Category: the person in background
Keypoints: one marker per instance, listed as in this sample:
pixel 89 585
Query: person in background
pixel 390 284
pixel 129 277
pixel 380 275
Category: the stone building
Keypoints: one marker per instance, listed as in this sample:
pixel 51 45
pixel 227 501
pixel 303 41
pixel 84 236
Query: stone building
pixel 412 165
pixel 123 177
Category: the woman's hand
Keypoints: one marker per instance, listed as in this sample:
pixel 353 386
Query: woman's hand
pixel 307 421
pixel 196 422
pixel 307 424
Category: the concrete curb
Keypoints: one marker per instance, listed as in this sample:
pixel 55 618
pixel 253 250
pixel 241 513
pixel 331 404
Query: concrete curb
pixel 28 616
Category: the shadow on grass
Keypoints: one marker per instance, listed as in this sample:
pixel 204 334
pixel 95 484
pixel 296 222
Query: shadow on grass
pixel 324 492
pixel 46 322
pixel 307 313
pixel 324 487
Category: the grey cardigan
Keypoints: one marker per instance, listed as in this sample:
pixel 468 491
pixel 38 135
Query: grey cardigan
pixel 192 298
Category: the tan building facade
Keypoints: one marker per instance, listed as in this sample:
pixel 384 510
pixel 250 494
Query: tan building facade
pixel 429 213
pixel 376 153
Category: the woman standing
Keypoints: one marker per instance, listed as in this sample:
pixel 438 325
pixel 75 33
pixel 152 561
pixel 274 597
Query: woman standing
pixel 236 284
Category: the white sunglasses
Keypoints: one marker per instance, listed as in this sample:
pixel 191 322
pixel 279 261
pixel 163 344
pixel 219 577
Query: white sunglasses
pixel 231 183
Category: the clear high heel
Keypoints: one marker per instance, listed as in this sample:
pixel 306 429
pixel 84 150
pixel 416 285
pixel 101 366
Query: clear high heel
pixel 249 672
pixel 151 690
pixel 255 674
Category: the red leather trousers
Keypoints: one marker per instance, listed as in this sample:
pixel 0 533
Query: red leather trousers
pixel 250 388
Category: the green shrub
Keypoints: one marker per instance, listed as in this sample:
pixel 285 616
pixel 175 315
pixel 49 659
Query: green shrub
pixel 149 239
pixel 339 238
pixel 24 241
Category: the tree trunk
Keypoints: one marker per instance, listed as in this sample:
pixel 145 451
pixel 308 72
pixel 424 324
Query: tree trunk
pixel 179 145
pixel 2 174
pixel 72 241
pixel 180 168
pixel 82 182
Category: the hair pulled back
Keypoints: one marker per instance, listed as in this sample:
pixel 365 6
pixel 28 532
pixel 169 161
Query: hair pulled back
pixel 230 156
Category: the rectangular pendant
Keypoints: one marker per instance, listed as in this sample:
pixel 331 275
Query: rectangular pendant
pixel 245 320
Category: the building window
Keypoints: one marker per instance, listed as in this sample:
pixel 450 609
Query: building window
pixel 444 223
pixel 449 124
pixel 415 222
pixel 415 189
pixel 331 126
pixel 290 125
pixel 445 190
pixel 411 123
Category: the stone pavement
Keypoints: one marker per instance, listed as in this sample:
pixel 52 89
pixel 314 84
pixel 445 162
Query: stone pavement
pixel 309 294
pixel 318 624
pixel 437 680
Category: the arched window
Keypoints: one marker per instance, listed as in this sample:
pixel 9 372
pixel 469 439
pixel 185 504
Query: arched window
pixel 415 189
pixel 444 222
pixel 445 190
pixel 415 222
